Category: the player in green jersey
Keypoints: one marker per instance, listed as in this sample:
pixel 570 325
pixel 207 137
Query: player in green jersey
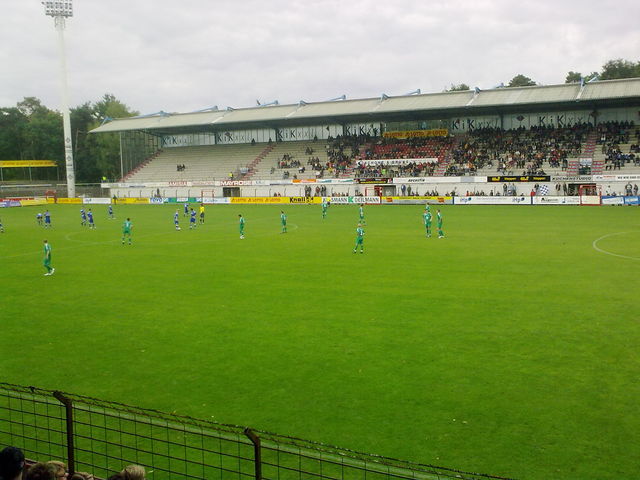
pixel 427 221
pixel 361 212
pixel 325 205
pixel 241 225
pixel 283 221
pixel 439 219
pixel 127 227
pixel 359 239
pixel 47 259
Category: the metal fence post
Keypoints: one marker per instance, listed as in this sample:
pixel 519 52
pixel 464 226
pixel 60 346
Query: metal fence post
pixel 68 406
pixel 256 450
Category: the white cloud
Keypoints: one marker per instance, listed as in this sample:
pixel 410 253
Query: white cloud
pixel 180 56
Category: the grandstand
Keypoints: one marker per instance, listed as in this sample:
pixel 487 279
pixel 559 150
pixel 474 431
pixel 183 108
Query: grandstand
pixel 559 133
pixel 201 163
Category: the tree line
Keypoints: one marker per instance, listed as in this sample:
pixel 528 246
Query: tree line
pixel 31 131
pixel 611 70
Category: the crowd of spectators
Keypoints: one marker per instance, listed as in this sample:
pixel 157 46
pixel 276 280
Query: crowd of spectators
pixel 611 135
pixel 508 152
pixel 13 466
pixel 518 151
pixel 432 148
pixel 340 152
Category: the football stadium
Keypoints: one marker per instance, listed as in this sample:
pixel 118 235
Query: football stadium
pixel 427 286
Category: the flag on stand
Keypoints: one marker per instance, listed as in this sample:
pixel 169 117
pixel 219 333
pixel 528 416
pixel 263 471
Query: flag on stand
pixel 543 190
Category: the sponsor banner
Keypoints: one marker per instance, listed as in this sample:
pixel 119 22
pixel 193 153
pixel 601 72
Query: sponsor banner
pixel 409 180
pixel 612 200
pixel 519 178
pixel 129 201
pixel 397 161
pixel 572 178
pixel 556 200
pixel 303 180
pixel 616 178
pixel 34 201
pixel 26 163
pixel 216 200
pixel 335 180
pixel 436 132
pixel 304 199
pixel 481 200
pixel 69 200
pixel 235 183
pixel 374 180
pixel 157 200
pixel 98 201
pixel 9 203
pixel 260 200
pixel 633 200
pixel 182 200
pixel 17 199
pixel 351 200
pixel 418 200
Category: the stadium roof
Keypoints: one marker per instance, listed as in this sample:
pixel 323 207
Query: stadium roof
pixel 592 94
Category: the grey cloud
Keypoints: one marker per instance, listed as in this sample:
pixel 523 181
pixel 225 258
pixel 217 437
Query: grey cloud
pixel 180 56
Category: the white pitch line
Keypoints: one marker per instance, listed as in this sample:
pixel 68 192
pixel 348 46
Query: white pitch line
pixel 595 246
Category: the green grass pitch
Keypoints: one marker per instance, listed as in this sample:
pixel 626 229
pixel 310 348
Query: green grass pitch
pixel 509 347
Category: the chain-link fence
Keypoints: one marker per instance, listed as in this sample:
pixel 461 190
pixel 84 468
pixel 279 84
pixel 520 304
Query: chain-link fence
pixel 10 190
pixel 102 437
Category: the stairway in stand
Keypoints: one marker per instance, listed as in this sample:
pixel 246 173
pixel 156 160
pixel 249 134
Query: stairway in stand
pixel 254 163
pixel 573 167
pixel 140 167
pixel 441 168
pixel 589 151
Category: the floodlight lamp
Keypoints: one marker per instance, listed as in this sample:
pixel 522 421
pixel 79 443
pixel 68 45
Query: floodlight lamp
pixel 58 8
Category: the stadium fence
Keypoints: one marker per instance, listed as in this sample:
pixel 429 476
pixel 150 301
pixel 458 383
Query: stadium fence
pixel 102 437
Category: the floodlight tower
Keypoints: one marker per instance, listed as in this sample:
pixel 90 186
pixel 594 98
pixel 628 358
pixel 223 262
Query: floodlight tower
pixel 60 10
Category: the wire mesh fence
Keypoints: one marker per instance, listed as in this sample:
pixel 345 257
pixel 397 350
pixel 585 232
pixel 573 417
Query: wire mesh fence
pixel 9 190
pixel 102 437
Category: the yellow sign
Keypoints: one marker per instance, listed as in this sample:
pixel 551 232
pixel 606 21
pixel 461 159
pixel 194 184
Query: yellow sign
pixel 26 163
pixel 35 201
pixel 260 200
pixel 438 132
pixel 69 200
pixel 130 201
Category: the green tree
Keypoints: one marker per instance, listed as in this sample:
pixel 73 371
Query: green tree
pixel 458 88
pixel 620 68
pixel 12 126
pixel 521 81
pixel 84 146
pixel 105 147
pixel 575 77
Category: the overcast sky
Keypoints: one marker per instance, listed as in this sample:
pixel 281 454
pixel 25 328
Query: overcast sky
pixel 184 55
